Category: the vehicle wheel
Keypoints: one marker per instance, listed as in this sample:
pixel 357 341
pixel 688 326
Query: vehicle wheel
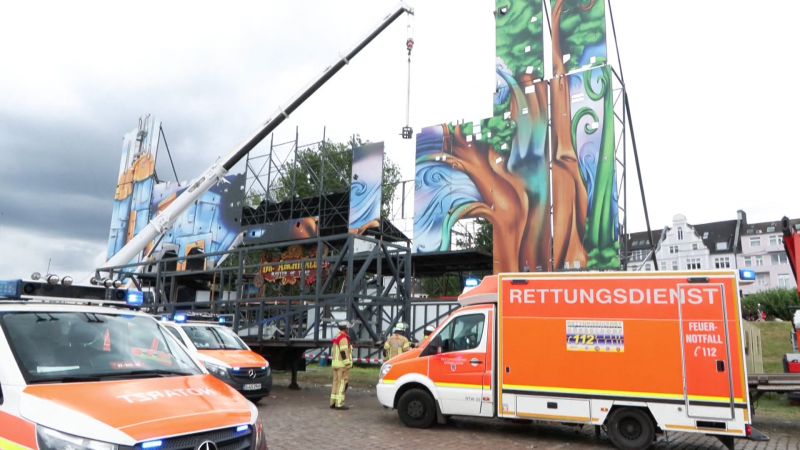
pixel 255 399
pixel 630 429
pixel 417 409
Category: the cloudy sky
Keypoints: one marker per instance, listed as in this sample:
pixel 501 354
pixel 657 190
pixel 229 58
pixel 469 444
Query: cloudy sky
pixel 714 136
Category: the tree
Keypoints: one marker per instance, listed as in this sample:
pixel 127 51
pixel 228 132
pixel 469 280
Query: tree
pixel 314 175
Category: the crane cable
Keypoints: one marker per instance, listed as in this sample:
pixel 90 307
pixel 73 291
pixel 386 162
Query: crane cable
pixel 407 132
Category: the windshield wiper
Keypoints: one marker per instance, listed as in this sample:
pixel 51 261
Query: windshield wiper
pixel 67 379
pixel 145 374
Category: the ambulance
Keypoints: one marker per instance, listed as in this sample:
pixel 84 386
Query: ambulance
pixel 223 354
pixel 637 354
pixel 76 375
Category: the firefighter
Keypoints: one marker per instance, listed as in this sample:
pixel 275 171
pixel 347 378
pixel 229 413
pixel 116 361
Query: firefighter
pixel 396 344
pixel 428 332
pixel 342 361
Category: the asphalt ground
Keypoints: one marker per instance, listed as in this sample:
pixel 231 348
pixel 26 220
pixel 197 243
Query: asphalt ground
pixel 303 419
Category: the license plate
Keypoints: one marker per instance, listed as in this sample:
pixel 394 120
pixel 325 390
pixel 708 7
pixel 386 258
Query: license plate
pixel 252 387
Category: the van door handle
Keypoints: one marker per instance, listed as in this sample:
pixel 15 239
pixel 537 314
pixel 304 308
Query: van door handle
pixel 720 366
pixel 475 361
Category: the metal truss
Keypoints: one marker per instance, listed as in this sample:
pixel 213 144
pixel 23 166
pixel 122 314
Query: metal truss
pixel 356 278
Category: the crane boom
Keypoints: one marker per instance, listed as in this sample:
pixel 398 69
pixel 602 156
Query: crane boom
pixel 216 173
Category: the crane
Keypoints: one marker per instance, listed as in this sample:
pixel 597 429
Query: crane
pixel 216 173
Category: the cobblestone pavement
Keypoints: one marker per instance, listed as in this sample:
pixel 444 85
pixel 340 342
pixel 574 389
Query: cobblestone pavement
pixel 302 419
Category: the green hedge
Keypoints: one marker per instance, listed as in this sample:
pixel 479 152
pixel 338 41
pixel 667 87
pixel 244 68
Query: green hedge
pixel 774 302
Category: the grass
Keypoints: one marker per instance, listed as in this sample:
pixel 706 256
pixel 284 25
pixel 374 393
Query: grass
pixel 774 406
pixel 774 344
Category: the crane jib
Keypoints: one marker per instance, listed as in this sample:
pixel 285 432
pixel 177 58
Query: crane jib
pixel 217 171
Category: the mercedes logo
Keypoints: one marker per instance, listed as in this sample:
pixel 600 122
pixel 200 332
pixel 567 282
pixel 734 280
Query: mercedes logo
pixel 251 373
pixel 207 445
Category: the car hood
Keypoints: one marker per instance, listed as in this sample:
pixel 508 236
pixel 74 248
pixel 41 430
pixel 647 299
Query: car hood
pixel 129 411
pixel 236 358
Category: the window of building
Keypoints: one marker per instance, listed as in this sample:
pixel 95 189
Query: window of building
pixel 680 233
pixel 762 279
pixel 663 265
pixel 648 267
pixel 748 261
pixel 759 261
pixel 693 264
pixel 694 246
pixel 775 240
pixel 566 264
pixel 674 265
pixel 673 249
pixel 770 229
pixel 779 258
pixel 784 280
pixel 705 235
pixel 722 245
pixel 755 242
pixel 722 262
pixel 576 264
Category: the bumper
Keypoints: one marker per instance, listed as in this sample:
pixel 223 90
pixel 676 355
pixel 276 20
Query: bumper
pixel 265 382
pixel 386 394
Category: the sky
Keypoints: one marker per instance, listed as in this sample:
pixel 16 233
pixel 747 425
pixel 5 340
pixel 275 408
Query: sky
pixel 713 136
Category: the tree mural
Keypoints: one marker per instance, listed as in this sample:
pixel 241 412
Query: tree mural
pixel 498 170
pixel 584 181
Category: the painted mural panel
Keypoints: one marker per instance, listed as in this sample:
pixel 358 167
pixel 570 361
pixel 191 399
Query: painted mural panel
pixel 496 169
pixel 585 215
pixel 211 224
pixel 579 34
pixel 365 190
pixel 134 186
pixel 519 40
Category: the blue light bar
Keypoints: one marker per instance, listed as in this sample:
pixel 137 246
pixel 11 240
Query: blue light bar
pixel 10 288
pixel 471 282
pixel 165 318
pixel 241 428
pixel 747 275
pixel 180 317
pixel 222 320
pixel 152 444
pixel 134 298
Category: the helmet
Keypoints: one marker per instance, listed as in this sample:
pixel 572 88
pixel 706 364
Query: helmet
pixel 343 324
pixel 429 329
pixel 400 327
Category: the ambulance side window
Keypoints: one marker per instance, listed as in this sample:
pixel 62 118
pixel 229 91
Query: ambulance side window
pixel 462 333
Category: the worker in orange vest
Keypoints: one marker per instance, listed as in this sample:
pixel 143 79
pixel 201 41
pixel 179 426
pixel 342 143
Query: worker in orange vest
pixel 342 361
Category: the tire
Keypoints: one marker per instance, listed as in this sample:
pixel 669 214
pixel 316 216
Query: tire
pixel 255 399
pixel 630 429
pixel 417 409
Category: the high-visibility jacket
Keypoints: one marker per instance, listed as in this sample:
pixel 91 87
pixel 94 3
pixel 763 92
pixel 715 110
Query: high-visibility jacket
pixel 341 344
pixel 395 345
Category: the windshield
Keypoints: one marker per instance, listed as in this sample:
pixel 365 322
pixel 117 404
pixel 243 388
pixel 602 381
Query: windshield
pixel 213 338
pixel 78 346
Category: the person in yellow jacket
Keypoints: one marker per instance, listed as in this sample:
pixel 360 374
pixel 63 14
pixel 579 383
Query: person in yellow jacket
pixel 342 361
pixel 396 344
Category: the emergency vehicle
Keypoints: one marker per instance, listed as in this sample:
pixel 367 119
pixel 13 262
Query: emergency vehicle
pixel 76 375
pixel 640 354
pixel 223 354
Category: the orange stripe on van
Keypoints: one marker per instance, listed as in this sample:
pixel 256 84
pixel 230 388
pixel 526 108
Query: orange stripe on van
pixel 17 430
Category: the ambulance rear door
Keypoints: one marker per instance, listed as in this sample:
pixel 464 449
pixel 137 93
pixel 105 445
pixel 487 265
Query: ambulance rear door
pixel 706 348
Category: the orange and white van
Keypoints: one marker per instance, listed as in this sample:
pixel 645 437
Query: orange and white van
pixel 639 353
pixel 78 376
pixel 224 355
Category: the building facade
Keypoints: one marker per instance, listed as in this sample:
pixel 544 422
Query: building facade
pixel 763 252
pixel 729 244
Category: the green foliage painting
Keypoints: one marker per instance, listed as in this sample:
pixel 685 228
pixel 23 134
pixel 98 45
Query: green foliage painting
pixel 579 34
